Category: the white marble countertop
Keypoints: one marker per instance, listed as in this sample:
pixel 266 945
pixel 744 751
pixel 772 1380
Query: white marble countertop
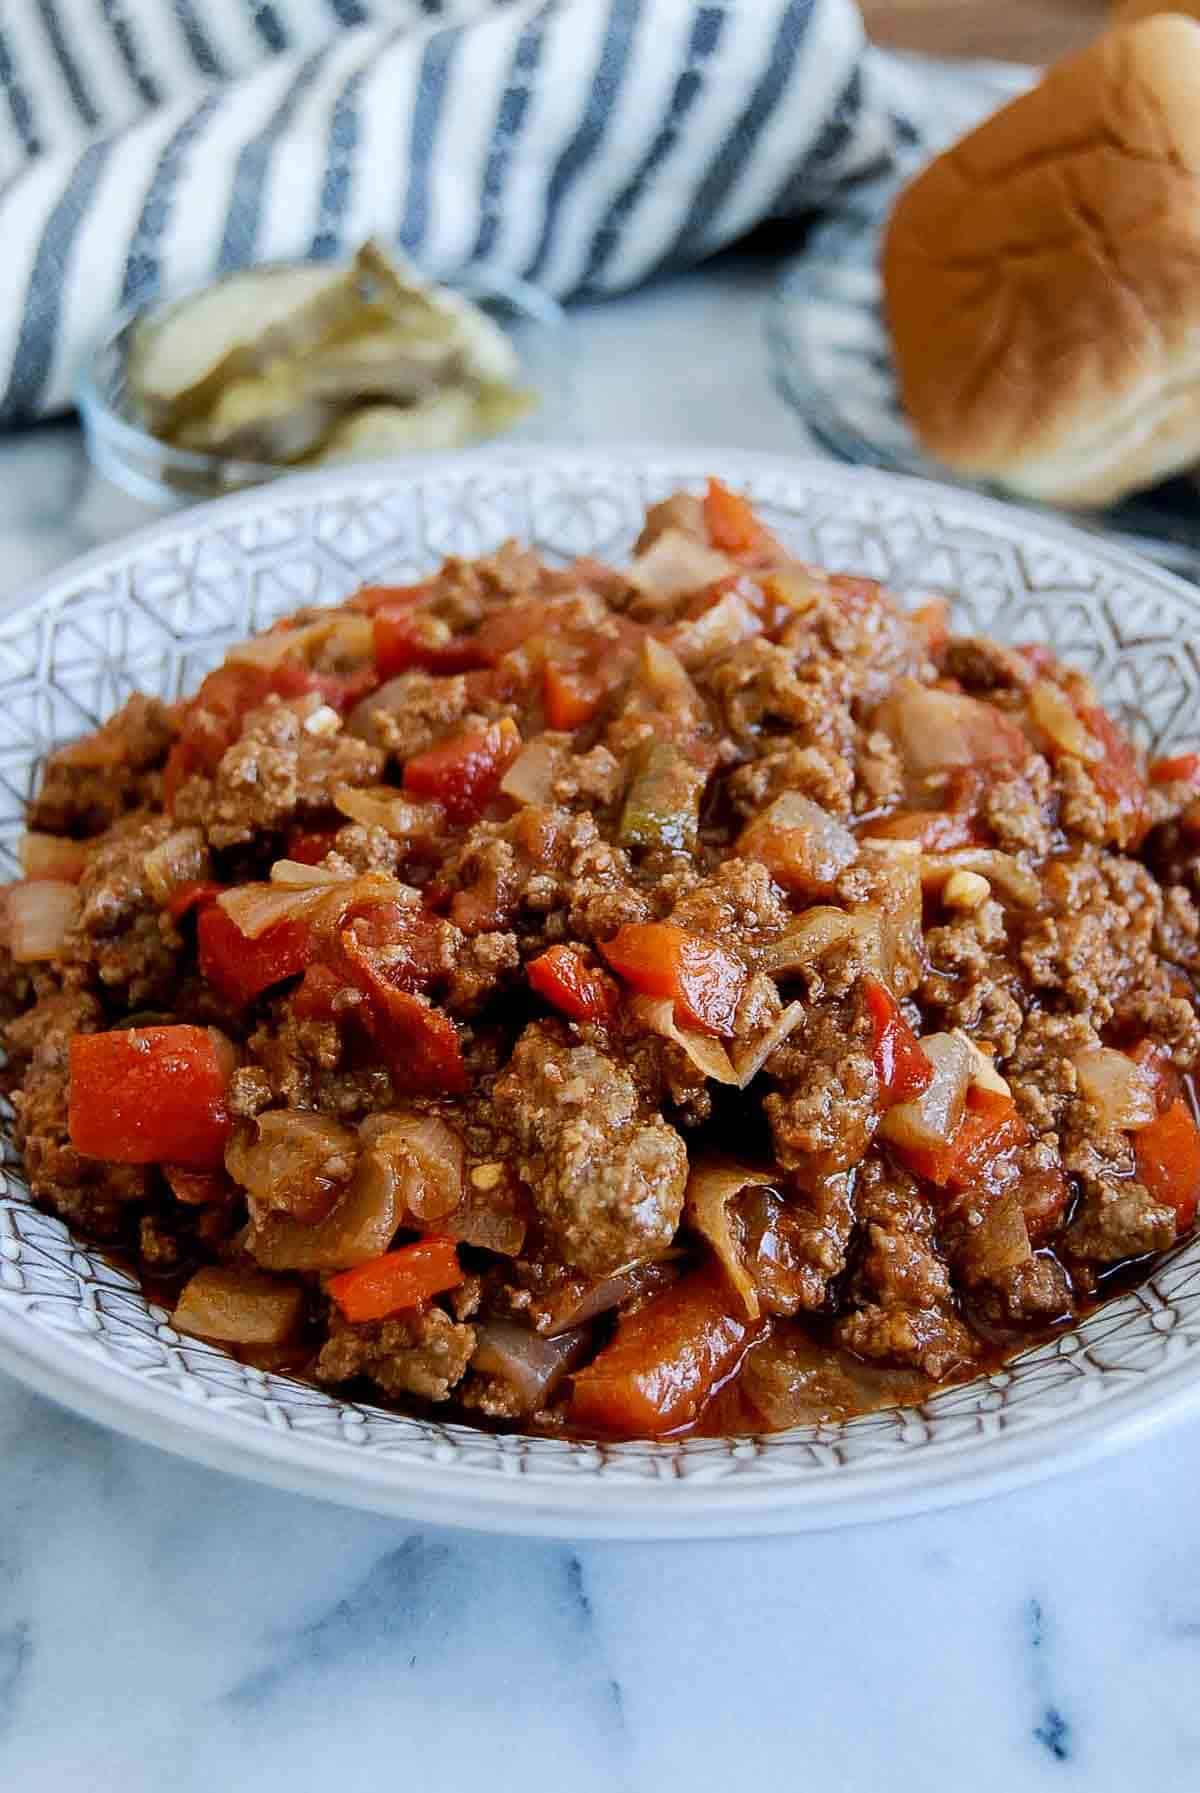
pixel 162 1625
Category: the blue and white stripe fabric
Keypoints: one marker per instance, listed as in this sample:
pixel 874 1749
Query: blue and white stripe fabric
pixel 146 145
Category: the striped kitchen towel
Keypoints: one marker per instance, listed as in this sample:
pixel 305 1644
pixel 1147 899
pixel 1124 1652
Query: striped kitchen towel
pixel 147 145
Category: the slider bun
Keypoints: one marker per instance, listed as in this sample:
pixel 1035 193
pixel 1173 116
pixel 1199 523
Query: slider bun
pixel 1042 278
pixel 1128 12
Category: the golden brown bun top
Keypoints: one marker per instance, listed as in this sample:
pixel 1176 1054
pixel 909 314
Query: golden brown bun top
pixel 1128 12
pixel 1039 273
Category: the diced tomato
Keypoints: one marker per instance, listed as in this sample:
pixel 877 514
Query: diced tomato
pixel 704 981
pixel 1183 768
pixel 666 1361
pixel 240 968
pixel 1118 777
pixel 402 942
pixel 569 697
pixel 308 846
pixel 732 525
pixel 420 1043
pixel 936 830
pixel 370 598
pixel 408 637
pixel 575 989
pixel 315 994
pixel 464 772
pixel 196 895
pixel 903 1069
pixel 149 1095
pixel 990 1128
pixel 1168 1160
pixel 342 690
pixel 397 1280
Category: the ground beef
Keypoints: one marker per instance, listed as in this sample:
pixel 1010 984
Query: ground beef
pixel 86 1192
pixel 543 1120
pixel 87 785
pixel 420 1353
pixel 608 1180
pixel 287 763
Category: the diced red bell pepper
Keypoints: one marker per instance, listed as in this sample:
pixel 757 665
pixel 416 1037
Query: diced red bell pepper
pixel 703 980
pixel 196 895
pixel 666 1361
pixel 575 989
pixel 1181 768
pixel 240 968
pixel 409 636
pixel 936 830
pixel 732 525
pixel 419 1043
pixel 902 1067
pixel 149 1095
pixel 1118 777
pixel 570 697
pixel 990 1128
pixel 1168 1160
pixel 397 1280
pixel 464 772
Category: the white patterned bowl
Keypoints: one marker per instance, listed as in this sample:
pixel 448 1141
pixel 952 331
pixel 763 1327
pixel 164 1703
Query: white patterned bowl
pixel 156 611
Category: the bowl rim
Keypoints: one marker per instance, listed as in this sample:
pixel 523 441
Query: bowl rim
pixel 533 303
pixel 520 1500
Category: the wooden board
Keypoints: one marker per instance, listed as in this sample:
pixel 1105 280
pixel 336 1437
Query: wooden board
pixel 1015 30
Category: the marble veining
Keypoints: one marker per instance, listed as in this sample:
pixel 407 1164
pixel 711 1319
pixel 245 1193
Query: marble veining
pixel 165 1626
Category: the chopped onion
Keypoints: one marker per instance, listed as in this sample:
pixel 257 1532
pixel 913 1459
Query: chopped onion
pixel 664 672
pixel 898 909
pixel 532 1365
pixel 53 857
pixel 794 1381
pixel 933 1117
pixel 493 1220
pixel 1122 1092
pixel 984 1074
pixel 1051 709
pixel 322 902
pixel 675 564
pixel 295 1163
pixel 934 729
pixel 600 1297
pixel 750 1058
pixel 239 1307
pixel 347 633
pixel 802 845
pixel 818 932
pixel 180 859
pixel 37 917
pixel 385 808
pixel 391 696
pixel 361 1226
pixel 533 774
pixel 999 1240
pixel 657 1013
pixel 729 621
pixel 426 1157
pixel 1001 870
pixel 712 1187
pixel 296 874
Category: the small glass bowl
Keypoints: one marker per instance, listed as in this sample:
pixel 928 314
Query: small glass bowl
pixel 125 452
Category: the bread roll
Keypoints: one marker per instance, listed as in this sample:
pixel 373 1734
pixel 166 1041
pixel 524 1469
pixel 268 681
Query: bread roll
pixel 1128 12
pixel 1042 277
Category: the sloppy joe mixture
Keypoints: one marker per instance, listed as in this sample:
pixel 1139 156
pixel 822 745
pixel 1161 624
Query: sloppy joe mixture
pixel 705 995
